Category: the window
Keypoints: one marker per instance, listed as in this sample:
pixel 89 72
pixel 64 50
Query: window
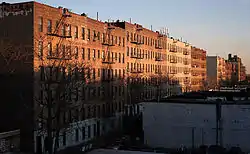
pixel 76 32
pixel 63 50
pixel 40 49
pixel 98 35
pixel 40 24
pixel 115 39
pixel 68 52
pixel 123 56
pixel 103 37
pixel 76 53
pixel 88 34
pixel 88 73
pixel 120 40
pixel 57 50
pixel 99 72
pixel 83 33
pixel 83 133
pixel 119 58
pixel 42 76
pixel 57 24
pixel 49 49
pixel 64 138
pixel 89 132
pixel 93 74
pixel 103 54
pixel 98 54
pixel 64 30
pixel 69 30
pixel 93 54
pixel 76 135
pixel 83 53
pixel 95 36
pixel 94 130
pixel 49 27
pixel 127 51
pixel 88 53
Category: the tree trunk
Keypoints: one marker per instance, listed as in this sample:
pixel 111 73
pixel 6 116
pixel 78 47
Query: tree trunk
pixel 57 130
pixel 49 122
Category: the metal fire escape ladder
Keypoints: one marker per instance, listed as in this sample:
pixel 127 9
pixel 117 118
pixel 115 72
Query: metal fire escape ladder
pixel 159 59
pixel 62 37
pixel 107 75
pixel 134 81
pixel 54 34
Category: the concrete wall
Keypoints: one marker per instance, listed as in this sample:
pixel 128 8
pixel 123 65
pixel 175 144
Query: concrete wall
pixel 172 125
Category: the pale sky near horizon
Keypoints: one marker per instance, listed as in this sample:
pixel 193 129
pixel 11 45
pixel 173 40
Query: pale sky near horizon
pixel 218 26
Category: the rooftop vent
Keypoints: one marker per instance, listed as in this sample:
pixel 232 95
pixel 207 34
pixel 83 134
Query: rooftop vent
pixel 84 14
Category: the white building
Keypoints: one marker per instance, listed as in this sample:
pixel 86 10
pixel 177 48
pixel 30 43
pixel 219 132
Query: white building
pixel 215 70
pixel 171 125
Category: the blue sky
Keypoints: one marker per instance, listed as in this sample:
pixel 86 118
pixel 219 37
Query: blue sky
pixel 219 26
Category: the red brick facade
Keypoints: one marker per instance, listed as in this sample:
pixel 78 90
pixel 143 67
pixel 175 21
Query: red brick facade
pixel 198 62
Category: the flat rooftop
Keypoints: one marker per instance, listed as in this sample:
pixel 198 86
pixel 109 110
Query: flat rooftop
pixel 113 151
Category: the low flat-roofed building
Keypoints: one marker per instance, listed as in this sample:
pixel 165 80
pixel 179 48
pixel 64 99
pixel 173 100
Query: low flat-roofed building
pixel 113 151
pixel 172 124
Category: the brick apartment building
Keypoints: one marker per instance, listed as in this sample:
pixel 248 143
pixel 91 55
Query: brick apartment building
pixel 107 60
pixel 240 71
pixel 230 70
pixel 199 72
pixel 223 72
pixel 243 73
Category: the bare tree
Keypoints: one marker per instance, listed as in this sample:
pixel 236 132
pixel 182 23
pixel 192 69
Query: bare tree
pixel 204 85
pixel 60 79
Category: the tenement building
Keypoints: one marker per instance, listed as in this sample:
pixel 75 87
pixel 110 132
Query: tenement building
pixel 199 69
pixel 179 65
pixel 75 77
pixel 216 73
pixel 240 71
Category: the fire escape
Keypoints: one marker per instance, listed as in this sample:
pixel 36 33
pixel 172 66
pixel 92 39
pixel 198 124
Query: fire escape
pixel 134 80
pixel 62 36
pixel 59 56
pixel 46 79
pixel 159 62
pixel 107 78
pixel 186 81
pixel 173 61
